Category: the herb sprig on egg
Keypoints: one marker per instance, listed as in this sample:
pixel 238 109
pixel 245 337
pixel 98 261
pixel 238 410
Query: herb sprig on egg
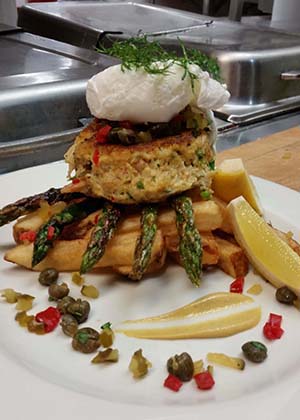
pixel 140 53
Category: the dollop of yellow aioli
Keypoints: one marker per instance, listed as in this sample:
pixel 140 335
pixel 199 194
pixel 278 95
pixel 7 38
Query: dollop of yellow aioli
pixel 214 315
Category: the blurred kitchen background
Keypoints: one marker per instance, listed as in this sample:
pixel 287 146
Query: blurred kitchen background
pixel 219 8
pixel 47 54
pixel 259 10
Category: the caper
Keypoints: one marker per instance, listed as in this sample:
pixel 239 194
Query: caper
pixel 62 304
pixel 80 309
pixel 285 295
pixel 182 366
pixel 86 340
pixel 69 325
pixel 48 276
pixel 36 327
pixel 255 351
pixel 58 291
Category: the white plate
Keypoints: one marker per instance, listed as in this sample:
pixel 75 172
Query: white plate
pixel 41 377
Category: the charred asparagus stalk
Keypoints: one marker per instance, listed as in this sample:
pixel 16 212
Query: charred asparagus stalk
pixel 54 227
pixel 28 204
pixel 100 236
pixel 190 247
pixel 142 253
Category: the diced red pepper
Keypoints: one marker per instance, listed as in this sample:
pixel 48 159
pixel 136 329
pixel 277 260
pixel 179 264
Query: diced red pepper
pixel 126 124
pixel 96 157
pixel 29 236
pixel 272 329
pixel 271 332
pixel 102 134
pixel 96 219
pixel 75 181
pixel 173 383
pixel 275 320
pixel 237 285
pixel 50 318
pixel 50 232
pixel 204 380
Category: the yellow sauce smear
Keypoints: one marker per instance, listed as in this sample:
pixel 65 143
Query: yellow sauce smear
pixel 214 315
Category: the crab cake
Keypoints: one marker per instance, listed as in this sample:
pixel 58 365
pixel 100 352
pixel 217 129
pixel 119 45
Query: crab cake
pixel 142 172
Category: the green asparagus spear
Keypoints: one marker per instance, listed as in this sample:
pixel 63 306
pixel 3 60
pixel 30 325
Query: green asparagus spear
pixel 190 248
pixel 50 231
pixel 144 243
pixel 28 204
pixel 100 236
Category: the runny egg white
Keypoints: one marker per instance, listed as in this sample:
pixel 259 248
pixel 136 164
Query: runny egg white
pixel 137 96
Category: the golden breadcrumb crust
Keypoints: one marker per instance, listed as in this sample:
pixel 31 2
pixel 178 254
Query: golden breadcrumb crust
pixel 145 172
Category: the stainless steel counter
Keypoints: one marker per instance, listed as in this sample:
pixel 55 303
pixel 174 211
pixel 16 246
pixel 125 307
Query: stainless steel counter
pixel 83 23
pixel 42 97
pixel 241 135
pixel 254 61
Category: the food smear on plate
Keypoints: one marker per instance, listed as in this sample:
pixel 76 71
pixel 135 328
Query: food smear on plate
pixel 214 315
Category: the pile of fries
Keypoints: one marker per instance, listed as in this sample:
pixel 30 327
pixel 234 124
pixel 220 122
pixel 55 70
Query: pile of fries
pixel 219 247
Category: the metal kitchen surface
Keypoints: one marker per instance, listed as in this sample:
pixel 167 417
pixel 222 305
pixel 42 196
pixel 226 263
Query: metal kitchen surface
pixel 260 66
pixel 82 23
pixel 42 97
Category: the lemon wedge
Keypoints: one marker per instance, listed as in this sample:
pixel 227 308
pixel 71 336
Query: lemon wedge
pixel 267 252
pixel 231 180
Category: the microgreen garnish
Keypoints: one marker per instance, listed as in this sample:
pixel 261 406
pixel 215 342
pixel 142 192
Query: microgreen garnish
pixel 106 325
pixel 140 53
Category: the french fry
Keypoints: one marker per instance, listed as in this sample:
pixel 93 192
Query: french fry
pixel 34 220
pixel 208 216
pixel 66 255
pixel 232 259
pixel 153 267
pixel 209 245
pixel 226 223
pixel 31 222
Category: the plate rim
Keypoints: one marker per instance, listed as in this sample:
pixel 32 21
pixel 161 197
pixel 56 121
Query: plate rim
pixel 87 405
